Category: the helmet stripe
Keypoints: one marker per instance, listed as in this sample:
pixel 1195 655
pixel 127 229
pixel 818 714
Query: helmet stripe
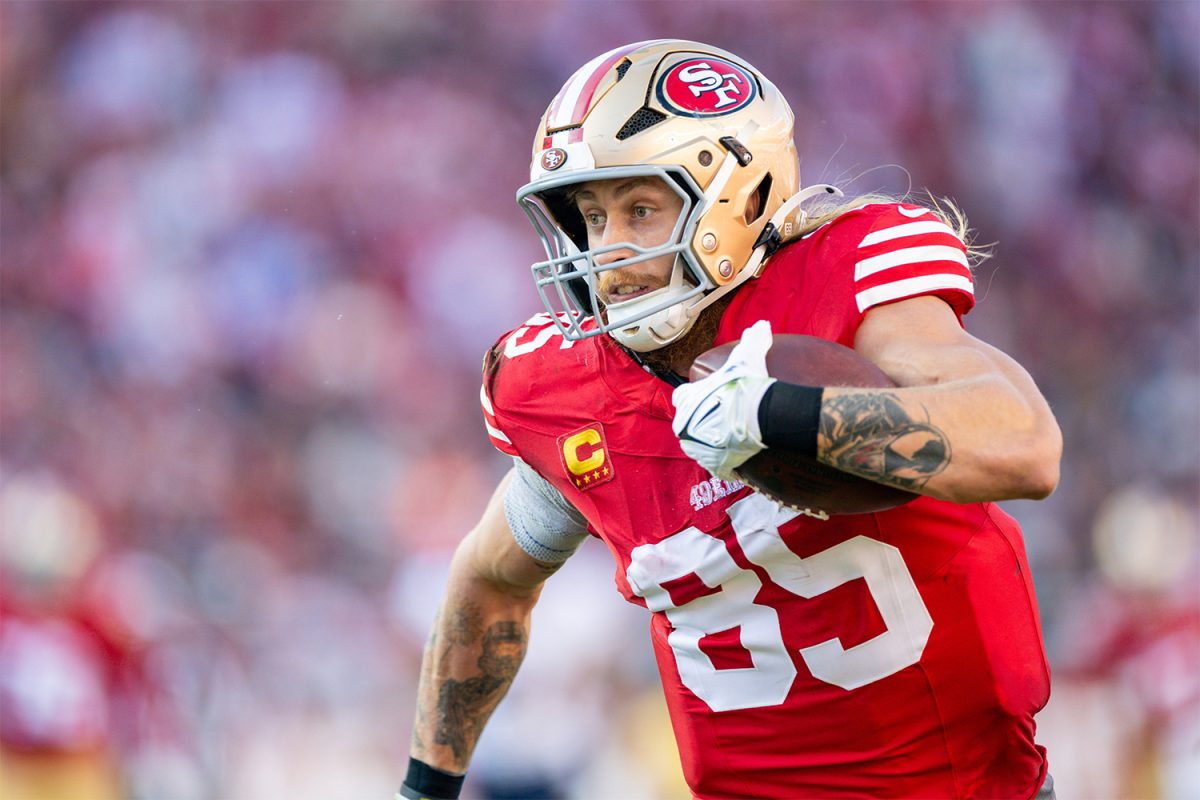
pixel 563 111
pixel 574 99
pixel 588 90
pixel 556 104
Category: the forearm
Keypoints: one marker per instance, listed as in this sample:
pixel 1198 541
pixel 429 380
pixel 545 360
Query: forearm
pixel 474 650
pixel 966 423
pixel 969 440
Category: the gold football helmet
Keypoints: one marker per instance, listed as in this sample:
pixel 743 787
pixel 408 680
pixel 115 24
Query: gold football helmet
pixel 705 122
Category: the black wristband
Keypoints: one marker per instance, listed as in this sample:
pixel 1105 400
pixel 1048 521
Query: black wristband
pixel 789 416
pixel 424 782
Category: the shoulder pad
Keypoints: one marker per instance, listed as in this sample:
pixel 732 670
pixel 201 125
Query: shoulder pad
pixel 529 360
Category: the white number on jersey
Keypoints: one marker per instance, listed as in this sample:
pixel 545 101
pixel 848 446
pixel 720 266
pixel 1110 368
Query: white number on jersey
pixel 514 347
pixel 755 521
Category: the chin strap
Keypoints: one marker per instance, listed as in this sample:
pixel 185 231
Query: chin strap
pixel 767 243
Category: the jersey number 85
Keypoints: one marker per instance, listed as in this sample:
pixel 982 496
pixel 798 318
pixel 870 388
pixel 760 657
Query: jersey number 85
pixel 755 521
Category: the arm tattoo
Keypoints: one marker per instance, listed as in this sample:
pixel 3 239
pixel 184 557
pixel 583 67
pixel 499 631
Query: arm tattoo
pixel 463 706
pixel 431 645
pixel 465 625
pixel 873 436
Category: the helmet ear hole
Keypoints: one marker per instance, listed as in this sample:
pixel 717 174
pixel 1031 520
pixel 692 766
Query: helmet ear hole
pixel 756 205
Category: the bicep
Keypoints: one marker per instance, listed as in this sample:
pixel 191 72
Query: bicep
pixel 919 342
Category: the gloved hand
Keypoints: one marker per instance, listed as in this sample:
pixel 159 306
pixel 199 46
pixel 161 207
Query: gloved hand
pixel 716 418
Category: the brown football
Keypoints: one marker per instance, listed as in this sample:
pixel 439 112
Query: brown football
pixel 796 480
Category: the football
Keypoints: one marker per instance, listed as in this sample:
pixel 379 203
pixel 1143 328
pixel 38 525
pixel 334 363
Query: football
pixel 796 480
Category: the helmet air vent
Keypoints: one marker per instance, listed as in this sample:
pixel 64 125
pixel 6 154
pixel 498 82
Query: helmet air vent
pixel 642 119
pixel 623 67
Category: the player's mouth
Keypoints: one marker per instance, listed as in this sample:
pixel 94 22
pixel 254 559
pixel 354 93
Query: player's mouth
pixel 625 292
pixel 625 285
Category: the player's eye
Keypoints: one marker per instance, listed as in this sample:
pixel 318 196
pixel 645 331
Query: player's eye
pixel 593 220
pixel 642 212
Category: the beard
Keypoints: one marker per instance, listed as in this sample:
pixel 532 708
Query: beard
pixel 627 275
pixel 677 357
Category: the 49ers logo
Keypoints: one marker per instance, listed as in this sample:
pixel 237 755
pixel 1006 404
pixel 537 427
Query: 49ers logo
pixel 706 87
pixel 553 158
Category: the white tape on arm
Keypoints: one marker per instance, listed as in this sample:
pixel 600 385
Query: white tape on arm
pixel 545 525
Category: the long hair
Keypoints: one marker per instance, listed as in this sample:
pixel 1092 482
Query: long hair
pixel 824 210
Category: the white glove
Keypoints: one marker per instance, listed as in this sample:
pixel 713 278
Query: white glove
pixel 716 418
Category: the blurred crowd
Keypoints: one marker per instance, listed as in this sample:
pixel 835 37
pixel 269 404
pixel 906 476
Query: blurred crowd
pixel 252 254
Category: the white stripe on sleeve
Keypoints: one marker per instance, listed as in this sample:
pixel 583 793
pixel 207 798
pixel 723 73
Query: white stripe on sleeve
pixel 911 287
pixel 486 401
pixel 908 256
pixel 495 432
pixel 907 229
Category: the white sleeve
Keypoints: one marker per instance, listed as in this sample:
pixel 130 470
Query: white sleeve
pixel 545 525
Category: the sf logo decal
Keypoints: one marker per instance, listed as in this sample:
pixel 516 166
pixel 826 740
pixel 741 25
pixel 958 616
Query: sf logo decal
pixel 553 158
pixel 706 87
pixel 701 78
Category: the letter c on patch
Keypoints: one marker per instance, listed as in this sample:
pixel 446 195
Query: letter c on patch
pixel 581 443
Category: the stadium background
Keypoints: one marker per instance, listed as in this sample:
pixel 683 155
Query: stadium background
pixel 253 252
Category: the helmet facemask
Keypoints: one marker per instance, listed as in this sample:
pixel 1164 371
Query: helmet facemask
pixel 569 280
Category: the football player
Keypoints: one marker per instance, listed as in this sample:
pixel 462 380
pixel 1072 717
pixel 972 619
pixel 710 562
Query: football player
pixel 894 654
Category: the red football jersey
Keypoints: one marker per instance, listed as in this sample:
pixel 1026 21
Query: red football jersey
pixel 895 654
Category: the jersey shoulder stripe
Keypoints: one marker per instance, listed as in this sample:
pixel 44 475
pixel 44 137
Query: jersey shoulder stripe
pixel 904 230
pixel 911 287
pixel 921 254
pixel 498 438
pixel 908 251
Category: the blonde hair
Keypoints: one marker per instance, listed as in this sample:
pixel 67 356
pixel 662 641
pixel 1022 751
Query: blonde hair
pixel 825 210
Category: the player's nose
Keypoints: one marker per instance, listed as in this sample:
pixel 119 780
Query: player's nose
pixel 615 235
pixel 613 256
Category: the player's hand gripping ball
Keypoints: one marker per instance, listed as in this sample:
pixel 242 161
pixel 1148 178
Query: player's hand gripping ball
pixel 716 417
pixel 794 480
